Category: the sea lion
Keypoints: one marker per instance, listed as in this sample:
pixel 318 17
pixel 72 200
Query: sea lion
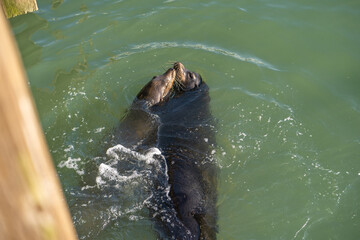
pixel 138 127
pixel 185 79
pixel 186 138
pixel 158 89
pixel 172 113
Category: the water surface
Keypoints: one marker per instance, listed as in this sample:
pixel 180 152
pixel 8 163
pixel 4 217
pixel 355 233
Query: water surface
pixel 284 86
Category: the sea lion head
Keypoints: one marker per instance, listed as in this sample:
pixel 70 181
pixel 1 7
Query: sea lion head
pixel 185 79
pixel 158 89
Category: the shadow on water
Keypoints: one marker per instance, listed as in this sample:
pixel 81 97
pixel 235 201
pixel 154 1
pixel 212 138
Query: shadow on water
pixel 24 27
pixel 56 3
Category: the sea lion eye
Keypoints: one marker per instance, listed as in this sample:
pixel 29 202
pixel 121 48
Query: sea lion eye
pixel 191 75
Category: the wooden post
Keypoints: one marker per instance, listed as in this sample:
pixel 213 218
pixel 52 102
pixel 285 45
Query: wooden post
pixel 32 205
pixel 13 8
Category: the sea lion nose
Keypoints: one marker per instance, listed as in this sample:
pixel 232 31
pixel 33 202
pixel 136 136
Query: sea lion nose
pixel 170 74
pixel 178 65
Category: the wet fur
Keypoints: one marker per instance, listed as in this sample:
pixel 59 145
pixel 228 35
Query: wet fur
pixel 182 127
pixel 186 137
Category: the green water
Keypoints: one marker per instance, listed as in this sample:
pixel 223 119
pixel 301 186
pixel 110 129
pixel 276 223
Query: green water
pixel 284 80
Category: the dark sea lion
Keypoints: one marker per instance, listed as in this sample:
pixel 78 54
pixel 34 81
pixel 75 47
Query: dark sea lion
pixel 185 79
pixel 186 139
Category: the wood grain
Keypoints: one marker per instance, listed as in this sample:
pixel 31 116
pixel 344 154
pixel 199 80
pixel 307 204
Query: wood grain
pixel 32 205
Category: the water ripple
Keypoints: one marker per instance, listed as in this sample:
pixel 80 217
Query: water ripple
pixel 197 46
pixel 266 98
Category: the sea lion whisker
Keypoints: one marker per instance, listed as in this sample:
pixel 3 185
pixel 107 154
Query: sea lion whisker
pixel 170 62
pixel 179 85
pixel 178 78
pixel 176 83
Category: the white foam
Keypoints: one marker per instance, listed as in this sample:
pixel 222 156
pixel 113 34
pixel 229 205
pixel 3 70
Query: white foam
pixel 148 157
pixel 107 172
pixel 135 166
pixel 70 147
pixel 72 163
pixel 98 130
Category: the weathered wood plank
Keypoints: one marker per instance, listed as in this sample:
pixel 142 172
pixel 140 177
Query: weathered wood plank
pixel 13 8
pixel 32 205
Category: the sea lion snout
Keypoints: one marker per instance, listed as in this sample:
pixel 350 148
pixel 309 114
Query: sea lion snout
pixel 170 73
pixel 180 71
pixel 169 77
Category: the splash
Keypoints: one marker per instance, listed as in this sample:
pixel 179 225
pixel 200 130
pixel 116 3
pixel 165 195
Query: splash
pixel 128 183
pixel 128 166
